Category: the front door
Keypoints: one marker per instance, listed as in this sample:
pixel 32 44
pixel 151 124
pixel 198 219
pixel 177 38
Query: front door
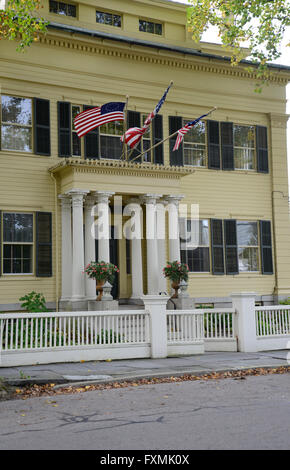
pixel 113 259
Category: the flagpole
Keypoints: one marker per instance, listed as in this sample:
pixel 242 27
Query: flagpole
pixel 124 150
pixel 164 140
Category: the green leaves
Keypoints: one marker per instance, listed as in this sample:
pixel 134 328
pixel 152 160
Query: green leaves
pixel 176 271
pixel 33 302
pixel 21 21
pixel 256 24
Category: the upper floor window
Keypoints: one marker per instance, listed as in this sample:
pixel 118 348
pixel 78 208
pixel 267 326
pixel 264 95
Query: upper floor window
pixel 150 27
pixel 110 142
pixel 76 141
pixel 16 123
pixel 60 8
pixel 244 147
pixel 110 19
pixel 146 141
pixel 194 145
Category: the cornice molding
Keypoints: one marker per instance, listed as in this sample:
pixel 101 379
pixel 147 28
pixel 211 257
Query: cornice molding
pixel 279 120
pixel 121 168
pixel 196 64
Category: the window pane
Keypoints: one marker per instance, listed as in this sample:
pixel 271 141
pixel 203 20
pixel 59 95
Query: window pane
pixel 76 145
pixel 203 232
pixel 244 159
pixel 75 110
pixel 16 138
pixel 62 8
pixel 100 17
pixel 71 10
pixel 16 110
pixel 196 134
pixel 198 260
pixel 142 26
pixel 146 146
pixel 150 27
pixel 17 227
pixel 53 7
pixel 248 259
pixel 244 136
pixel 7 267
pixel 194 154
pixel 111 147
pixel 108 18
pixel 247 233
pixel 158 29
pixel 117 21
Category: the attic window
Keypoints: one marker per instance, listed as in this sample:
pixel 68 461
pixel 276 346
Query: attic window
pixel 150 27
pixel 109 19
pixel 61 8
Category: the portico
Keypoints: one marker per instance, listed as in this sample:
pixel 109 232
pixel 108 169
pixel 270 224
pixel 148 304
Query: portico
pixel 111 217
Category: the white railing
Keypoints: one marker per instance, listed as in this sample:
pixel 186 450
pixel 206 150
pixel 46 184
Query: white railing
pixel 219 323
pixel 26 337
pixel 272 321
pixel 184 326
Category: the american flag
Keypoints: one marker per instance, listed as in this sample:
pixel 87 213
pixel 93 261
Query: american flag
pixel 184 130
pixel 88 120
pixel 133 135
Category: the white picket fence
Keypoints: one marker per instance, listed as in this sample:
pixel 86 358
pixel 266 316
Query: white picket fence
pixel 219 330
pixel 29 338
pixel 272 327
pixel 185 332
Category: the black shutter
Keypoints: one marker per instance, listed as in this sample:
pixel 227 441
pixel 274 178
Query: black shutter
pixel 266 247
pixel 157 127
pixel 213 136
pixel 64 129
pixel 227 145
pixel 0 242
pixel 217 246
pixel 92 141
pixel 134 120
pixel 41 126
pixel 262 149
pixel 176 158
pixel 43 244
pixel 231 248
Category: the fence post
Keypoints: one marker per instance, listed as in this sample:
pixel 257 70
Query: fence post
pixel 156 305
pixel 245 321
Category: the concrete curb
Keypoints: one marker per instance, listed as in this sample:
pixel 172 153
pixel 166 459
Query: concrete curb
pixel 64 383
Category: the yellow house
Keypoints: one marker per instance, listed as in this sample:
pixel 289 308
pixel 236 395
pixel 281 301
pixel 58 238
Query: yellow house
pixel 232 165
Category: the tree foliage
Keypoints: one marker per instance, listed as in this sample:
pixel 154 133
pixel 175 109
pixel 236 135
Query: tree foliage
pixel 257 24
pixel 21 21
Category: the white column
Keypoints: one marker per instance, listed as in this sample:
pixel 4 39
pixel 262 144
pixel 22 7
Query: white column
pixel 245 321
pixel 66 248
pixel 136 253
pixel 78 278
pixel 103 226
pixel 161 243
pixel 90 251
pixel 173 227
pixel 151 240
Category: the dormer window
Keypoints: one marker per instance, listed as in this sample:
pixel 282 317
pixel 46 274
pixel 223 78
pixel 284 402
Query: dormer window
pixel 110 19
pixel 150 27
pixel 65 9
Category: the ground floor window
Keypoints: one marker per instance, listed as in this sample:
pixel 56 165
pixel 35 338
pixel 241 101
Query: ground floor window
pixel 17 243
pixel 194 244
pixel 248 246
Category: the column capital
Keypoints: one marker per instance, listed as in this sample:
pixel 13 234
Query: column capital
pixel 65 201
pixel 89 203
pixel 150 198
pixel 77 196
pixel 103 196
pixel 174 199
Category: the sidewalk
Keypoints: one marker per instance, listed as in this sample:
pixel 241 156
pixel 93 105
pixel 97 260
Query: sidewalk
pixel 132 369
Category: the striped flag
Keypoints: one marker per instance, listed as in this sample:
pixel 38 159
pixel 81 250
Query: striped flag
pixel 133 135
pixel 88 120
pixel 184 130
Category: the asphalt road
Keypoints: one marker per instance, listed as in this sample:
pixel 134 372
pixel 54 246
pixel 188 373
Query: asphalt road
pixel 253 413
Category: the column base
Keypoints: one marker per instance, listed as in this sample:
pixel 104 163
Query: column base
pixel 73 305
pixel 97 305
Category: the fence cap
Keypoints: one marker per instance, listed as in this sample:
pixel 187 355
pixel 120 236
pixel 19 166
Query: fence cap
pixel 244 294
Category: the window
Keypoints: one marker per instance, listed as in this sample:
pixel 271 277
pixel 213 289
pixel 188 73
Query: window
pixel 150 27
pixel 244 147
pixel 16 128
pixel 61 8
pixel 17 243
pixel 110 19
pixel 110 142
pixel 194 147
pixel 194 244
pixel 248 244
pixel 76 141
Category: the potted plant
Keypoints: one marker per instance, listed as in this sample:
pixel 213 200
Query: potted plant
pixel 176 272
pixel 101 272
